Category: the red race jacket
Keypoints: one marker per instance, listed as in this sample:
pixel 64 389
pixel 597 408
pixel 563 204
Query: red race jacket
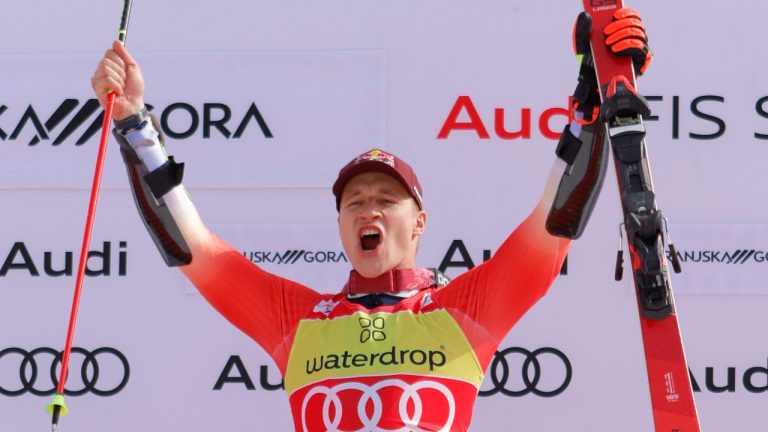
pixel 413 366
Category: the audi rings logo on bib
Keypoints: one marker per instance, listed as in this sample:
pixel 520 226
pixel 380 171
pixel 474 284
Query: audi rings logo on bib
pixel 516 371
pixel 102 372
pixel 367 406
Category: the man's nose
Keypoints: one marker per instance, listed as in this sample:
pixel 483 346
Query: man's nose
pixel 370 211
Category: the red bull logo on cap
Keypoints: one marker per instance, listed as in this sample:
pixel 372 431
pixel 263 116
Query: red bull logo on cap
pixel 378 156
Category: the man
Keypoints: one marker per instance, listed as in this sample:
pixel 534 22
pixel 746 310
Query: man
pixel 400 347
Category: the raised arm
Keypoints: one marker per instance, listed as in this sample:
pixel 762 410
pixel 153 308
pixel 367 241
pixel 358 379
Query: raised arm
pixel 488 300
pixel 260 304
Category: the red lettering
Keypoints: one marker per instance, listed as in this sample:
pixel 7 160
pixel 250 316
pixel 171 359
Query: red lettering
pixel 452 123
pixel 464 107
pixel 525 125
pixel 547 115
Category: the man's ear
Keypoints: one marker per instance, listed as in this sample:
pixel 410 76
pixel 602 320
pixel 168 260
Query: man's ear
pixel 421 223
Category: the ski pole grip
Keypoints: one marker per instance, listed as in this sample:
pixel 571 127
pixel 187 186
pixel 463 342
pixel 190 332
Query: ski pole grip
pixel 122 33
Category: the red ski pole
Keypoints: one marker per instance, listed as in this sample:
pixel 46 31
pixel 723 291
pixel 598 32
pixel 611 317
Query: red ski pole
pixel 57 406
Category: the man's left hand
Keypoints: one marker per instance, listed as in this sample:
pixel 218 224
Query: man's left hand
pixel 625 36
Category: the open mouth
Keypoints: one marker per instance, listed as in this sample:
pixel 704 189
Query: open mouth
pixel 369 239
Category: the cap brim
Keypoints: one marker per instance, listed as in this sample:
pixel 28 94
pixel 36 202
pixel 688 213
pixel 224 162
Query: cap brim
pixel 362 168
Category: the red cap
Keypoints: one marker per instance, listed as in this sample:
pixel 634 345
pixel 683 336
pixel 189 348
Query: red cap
pixel 379 161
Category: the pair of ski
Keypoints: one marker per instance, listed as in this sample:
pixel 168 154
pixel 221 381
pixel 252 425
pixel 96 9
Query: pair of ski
pixel 622 110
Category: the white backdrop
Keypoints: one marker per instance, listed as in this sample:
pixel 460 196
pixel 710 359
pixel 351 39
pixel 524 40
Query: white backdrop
pixel 331 79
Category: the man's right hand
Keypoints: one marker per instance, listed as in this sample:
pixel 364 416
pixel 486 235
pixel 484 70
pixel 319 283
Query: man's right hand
pixel 119 72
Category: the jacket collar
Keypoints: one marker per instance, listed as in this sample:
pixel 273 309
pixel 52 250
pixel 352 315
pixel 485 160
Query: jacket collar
pixel 395 281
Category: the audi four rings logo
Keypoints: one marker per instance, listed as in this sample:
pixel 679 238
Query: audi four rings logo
pixel 333 409
pixel 531 377
pixel 31 364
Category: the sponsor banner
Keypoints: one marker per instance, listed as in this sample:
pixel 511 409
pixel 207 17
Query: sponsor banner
pixel 28 259
pixel 470 101
pixel 103 371
pixel 721 259
pixel 461 255
pixel 744 379
pixel 517 372
pixel 226 112
pixel 309 254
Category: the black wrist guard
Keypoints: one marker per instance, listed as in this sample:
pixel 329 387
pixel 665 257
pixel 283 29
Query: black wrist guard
pixel 587 159
pixel 148 189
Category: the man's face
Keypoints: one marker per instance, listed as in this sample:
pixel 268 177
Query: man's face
pixel 379 224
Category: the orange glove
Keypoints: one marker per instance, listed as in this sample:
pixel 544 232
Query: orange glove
pixel 625 36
